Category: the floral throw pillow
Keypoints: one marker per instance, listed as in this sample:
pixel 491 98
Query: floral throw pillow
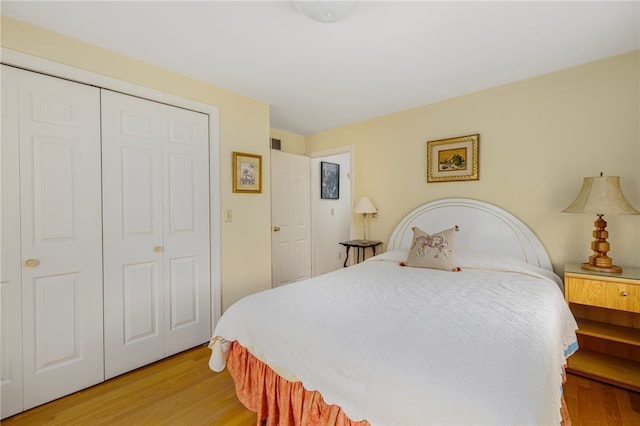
pixel 436 251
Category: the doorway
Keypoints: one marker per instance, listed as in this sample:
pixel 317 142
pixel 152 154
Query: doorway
pixel 330 218
pixel 297 255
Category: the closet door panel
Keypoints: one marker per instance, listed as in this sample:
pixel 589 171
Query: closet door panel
pixel 139 300
pixel 184 295
pixel 137 204
pixel 156 209
pixel 10 269
pixel 133 234
pixel 60 237
pixel 54 191
pixel 186 229
pixel 57 320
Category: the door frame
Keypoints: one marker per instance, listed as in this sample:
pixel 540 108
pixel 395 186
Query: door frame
pixel 55 69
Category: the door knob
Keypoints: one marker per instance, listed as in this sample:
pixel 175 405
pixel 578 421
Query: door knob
pixel 30 263
pixel 276 228
pixel 158 249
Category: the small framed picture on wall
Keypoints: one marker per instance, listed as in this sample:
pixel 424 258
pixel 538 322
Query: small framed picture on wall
pixel 329 180
pixel 247 172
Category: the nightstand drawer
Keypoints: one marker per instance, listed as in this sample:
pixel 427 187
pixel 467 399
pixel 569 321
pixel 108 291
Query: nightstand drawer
pixel 611 295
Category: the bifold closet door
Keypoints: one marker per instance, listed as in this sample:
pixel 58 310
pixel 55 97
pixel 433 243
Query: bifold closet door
pixel 156 230
pixel 60 237
pixel 10 270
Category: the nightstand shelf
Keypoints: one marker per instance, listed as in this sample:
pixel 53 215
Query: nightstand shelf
pixel 607 309
pixel 606 368
pixel 603 330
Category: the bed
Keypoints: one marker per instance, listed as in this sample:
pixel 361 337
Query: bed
pixel 392 342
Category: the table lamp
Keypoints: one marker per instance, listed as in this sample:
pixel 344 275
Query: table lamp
pixel 364 206
pixel 601 195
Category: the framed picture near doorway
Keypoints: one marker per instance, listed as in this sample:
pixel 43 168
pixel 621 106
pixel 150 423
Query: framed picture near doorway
pixel 329 180
pixel 247 172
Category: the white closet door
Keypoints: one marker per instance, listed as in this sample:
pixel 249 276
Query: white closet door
pixel 155 183
pixel 10 270
pixel 132 205
pixel 186 229
pixel 61 235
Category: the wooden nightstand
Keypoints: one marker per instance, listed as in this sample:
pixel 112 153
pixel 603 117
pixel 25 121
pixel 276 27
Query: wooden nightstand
pixel 607 308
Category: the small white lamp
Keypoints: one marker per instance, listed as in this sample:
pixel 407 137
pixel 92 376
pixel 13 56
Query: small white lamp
pixel 364 206
pixel 601 195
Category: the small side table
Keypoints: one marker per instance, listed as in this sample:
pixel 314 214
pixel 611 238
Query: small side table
pixel 360 244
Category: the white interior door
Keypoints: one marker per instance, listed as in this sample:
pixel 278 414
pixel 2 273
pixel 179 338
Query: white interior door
pixel 290 214
pixel 61 233
pixel 10 270
pixel 156 198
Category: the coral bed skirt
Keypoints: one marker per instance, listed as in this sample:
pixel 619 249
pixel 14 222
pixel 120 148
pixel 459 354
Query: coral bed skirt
pixel 280 402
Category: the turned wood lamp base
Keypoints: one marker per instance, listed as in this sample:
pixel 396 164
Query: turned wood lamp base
pixel 599 261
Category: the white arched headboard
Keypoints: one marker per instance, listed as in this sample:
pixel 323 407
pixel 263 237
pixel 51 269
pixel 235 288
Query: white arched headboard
pixel 483 227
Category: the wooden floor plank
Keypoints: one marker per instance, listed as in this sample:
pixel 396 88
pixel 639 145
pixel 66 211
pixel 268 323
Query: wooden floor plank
pixel 593 403
pixel 182 390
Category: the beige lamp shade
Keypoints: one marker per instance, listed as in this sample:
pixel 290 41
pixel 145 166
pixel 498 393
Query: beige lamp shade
pixel 364 205
pixel 601 195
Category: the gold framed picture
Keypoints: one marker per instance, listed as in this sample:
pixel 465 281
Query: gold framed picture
pixel 453 159
pixel 247 172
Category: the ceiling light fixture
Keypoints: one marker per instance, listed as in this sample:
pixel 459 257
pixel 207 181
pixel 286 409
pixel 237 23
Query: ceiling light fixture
pixel 326 11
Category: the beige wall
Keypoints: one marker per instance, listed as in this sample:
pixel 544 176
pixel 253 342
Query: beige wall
pixel 538 139
pixel 244 126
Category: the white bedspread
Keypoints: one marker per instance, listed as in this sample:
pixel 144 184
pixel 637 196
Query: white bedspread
pixel 398 345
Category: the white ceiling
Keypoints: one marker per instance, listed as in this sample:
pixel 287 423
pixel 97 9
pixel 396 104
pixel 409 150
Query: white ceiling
pixel 386 57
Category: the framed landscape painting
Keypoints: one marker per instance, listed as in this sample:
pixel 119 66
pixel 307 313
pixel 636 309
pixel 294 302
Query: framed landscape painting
pixel 453 159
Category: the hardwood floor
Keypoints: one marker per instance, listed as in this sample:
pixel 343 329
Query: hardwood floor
pixel 182 390
pixel 593 403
